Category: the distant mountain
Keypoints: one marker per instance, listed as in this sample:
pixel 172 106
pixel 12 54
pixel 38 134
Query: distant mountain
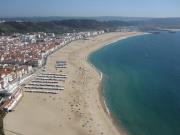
pixel 164 21
pixel 158 23
pixel 100 18
pixel 64 24
pixel 60 26
pixel 120 18
pixel 136 20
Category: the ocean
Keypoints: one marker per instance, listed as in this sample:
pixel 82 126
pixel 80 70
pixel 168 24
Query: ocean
pixel 141 82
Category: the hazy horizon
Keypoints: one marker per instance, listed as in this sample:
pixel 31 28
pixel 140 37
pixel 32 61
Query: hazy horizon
pixel 85 17
pixel 85 8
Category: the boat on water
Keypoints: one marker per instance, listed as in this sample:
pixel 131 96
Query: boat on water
pixel 155 32
pixel 172 31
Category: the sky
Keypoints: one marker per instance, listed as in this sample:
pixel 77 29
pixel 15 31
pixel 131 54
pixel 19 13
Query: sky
pixel 88 8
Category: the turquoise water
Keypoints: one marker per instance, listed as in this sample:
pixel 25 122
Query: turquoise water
pixel 142 82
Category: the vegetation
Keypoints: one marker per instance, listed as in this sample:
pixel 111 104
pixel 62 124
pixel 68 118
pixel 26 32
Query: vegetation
pixel 59 27
pixel 71 25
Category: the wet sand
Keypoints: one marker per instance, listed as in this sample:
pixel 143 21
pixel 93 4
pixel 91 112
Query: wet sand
pixel 77 110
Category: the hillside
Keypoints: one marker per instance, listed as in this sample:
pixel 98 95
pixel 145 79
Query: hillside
pixel 59 26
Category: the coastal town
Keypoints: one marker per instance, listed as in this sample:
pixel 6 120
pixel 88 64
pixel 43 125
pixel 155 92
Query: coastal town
pixel 21 55
pixel 89 67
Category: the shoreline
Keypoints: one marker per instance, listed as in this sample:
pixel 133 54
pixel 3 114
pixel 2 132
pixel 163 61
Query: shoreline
pixel 77 110
pixel 117 124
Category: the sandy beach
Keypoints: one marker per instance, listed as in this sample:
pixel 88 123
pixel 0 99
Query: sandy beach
pixel 78 109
